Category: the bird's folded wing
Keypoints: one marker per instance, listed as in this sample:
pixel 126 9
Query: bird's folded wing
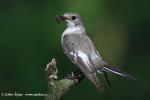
pixel 84 62
pixel 80 48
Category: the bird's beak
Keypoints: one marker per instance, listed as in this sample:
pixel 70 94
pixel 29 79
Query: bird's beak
pixel 61 18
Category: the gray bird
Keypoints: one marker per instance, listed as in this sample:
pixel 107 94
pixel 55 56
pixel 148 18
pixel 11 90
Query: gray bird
pixel 82 52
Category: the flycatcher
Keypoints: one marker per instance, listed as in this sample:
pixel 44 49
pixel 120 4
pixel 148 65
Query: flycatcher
pixel 82 52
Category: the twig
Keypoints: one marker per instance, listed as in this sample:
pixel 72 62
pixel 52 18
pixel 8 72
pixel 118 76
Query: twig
pixel 58 88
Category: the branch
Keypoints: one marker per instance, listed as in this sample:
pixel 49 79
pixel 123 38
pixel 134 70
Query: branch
pixel 58 88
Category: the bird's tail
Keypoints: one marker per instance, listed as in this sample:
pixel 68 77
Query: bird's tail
pixel 116 70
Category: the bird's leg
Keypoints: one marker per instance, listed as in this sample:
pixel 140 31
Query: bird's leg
pixel 106 77
pixel 76 75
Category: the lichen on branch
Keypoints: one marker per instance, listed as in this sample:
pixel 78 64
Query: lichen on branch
pixel 58 88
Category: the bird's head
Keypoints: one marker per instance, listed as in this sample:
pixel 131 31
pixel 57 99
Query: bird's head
pixel 71 19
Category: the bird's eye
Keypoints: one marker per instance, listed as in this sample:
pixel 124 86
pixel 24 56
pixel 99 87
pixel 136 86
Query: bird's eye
pixel 73 17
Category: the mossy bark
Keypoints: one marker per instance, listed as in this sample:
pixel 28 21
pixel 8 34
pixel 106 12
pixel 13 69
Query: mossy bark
pixel 58 88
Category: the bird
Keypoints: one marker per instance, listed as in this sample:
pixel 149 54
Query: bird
pixel 80 49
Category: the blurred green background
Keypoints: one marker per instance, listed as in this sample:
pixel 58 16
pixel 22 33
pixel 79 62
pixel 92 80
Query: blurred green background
pixel 30 38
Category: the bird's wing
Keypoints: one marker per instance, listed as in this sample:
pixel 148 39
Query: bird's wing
pixel 78 51
pixel 69 47
pixel 84 61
